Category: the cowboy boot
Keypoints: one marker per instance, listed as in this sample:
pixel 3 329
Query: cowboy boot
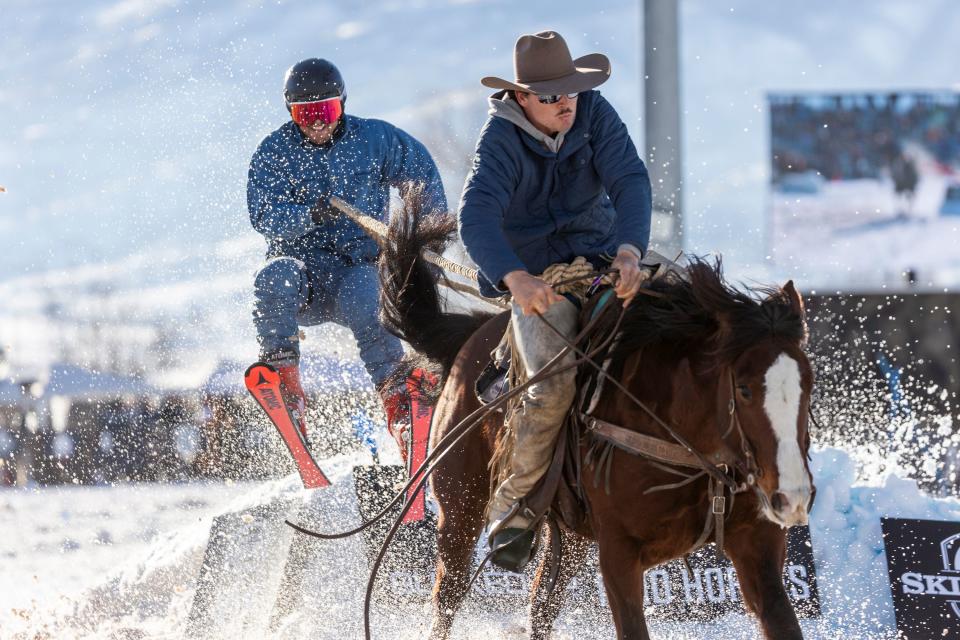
pixel 512 548
pixel 510 524
pixel 293 395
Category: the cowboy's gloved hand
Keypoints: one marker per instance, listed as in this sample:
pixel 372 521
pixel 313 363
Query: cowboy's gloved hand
pixel 631 275
pixel 530 292
pixel 323 212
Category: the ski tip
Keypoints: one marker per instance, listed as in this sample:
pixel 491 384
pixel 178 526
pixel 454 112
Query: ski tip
pixel 260 374
pixel 257 365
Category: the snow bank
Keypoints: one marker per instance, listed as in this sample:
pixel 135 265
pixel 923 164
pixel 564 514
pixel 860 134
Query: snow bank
pixel 150 595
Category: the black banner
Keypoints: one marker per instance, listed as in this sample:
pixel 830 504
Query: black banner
pixel 670 592
pixel 713 589
pixel 923 558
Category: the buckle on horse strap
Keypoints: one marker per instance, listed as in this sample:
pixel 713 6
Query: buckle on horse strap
pixel 719 505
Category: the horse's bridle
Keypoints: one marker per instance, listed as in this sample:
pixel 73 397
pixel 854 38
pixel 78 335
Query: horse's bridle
pixel 746 465
pixel 750 470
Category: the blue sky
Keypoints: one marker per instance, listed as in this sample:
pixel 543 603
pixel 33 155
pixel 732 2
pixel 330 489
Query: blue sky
pixel 128 124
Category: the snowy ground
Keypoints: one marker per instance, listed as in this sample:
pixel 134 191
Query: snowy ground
pixel 57 541
pixel 123 562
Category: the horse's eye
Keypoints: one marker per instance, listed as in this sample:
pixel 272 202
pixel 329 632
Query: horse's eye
pixel 744 391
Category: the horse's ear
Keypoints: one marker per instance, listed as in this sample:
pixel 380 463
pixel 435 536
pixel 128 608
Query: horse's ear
pixel 796 302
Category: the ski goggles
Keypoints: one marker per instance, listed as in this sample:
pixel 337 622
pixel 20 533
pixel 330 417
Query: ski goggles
pixel 556 98
pixel 326 111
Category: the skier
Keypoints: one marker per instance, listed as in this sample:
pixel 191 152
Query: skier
pixel 321 266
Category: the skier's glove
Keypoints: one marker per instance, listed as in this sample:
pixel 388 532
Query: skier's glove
pixel 323 212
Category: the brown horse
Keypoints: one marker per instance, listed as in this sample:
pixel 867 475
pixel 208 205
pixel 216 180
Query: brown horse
pixel 723 369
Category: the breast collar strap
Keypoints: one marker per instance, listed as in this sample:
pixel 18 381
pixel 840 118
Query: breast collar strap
pixel 652 447
pixel 721 465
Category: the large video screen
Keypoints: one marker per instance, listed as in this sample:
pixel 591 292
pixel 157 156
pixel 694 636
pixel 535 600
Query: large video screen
pixel 866 188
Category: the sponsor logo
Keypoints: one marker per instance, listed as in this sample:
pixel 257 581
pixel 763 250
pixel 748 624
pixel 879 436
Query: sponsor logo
pixel 915 583
pixel 270 399
pixel 923 559
pixel 717 585
pixel 422 410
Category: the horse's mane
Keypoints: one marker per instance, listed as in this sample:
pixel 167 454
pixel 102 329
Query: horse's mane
pixel 704 314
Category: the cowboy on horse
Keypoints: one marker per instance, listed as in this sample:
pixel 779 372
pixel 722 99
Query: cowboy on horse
pixel 555 177
pixel 693 394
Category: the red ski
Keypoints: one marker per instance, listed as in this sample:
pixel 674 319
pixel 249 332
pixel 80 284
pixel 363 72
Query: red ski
pixel 263 383
pixel 421 416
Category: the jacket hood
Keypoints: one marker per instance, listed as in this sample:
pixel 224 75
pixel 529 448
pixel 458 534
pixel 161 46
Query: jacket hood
pixel 503 106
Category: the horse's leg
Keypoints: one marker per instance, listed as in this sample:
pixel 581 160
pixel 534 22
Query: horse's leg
pixel 758 554
pixel 462 494
pixel 544 606
pixel 622 574
pixel 461 479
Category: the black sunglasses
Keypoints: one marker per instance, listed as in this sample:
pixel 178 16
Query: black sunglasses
pixel 555 99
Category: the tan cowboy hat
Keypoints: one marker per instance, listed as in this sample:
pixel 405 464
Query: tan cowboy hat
pixel 542 64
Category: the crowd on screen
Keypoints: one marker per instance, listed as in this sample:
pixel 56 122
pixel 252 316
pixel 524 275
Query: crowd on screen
pixel 852 136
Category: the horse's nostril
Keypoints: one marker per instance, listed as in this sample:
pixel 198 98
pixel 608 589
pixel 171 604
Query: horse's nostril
pixel 777 501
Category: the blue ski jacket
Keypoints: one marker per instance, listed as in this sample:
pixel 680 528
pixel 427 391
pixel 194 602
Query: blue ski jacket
pixel 526 207
pixel 289 174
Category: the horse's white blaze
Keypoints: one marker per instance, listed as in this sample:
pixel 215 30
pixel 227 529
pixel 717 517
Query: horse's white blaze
pixel 782 404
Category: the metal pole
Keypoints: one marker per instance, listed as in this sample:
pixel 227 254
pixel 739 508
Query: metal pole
pixel 661 62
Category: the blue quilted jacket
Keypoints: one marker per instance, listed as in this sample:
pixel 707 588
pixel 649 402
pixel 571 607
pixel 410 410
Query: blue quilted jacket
pixel 525 207
pixel 288 174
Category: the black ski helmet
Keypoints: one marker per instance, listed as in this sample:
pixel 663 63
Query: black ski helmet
pixel 313 79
